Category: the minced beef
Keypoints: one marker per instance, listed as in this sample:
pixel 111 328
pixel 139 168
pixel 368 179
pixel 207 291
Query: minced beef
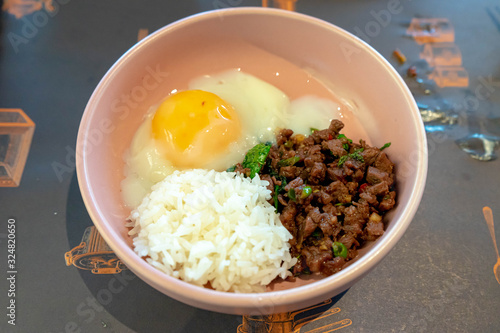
pixel 329 191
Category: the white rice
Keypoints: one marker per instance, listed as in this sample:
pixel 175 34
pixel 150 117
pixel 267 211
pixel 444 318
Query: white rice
pixel 213 227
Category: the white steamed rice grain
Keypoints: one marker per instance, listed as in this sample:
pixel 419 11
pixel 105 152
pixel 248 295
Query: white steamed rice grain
pixel 213 227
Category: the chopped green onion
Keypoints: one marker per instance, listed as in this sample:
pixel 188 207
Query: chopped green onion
pixel 231 169
pixel 316 233
pixel 314 130
pixel 345 204
pixel 289 161
pixel 288 144
pixel 345 145
pixel 306 191
pixel 355 155
pixel 339 250
pixel 342 160
pixel 387 145
pixel 291 194
pixel 342 136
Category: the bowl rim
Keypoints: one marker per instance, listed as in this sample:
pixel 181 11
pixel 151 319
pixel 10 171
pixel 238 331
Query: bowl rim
pixel 269 299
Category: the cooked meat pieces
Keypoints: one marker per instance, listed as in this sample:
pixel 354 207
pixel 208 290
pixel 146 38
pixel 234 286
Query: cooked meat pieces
pixel 328 190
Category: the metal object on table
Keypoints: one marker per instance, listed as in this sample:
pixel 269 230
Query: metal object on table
pixel 480 146
pixel 488 216
pixel 289 322
pixel 16 133
pixel 94 254
pixel 436 118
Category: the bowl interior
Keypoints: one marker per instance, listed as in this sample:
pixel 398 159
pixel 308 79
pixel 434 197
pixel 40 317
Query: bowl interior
pixel 296 53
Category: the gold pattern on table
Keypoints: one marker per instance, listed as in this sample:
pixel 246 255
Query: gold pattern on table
pixel 438 36
pixel 282 4
pixel 142 34
pixel 488 216
pixel 16 134
pixel 431 30
pixel 20 8
pixel 294 322
pixel 94 254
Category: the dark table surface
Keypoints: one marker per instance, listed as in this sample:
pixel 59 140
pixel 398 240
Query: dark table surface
pixel 439 277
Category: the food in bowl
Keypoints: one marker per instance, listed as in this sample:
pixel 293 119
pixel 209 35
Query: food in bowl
pixel 212 124
pixel 318 202
pixel 214 229
pixel 331 194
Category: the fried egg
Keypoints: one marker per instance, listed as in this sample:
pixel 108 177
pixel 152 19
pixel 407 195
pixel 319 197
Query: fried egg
pixel 194 127
pixel 211 125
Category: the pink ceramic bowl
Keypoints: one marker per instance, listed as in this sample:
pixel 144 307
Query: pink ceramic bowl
pixel 298 54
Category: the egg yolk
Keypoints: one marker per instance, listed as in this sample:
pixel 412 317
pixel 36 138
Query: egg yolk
pixel 193 127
